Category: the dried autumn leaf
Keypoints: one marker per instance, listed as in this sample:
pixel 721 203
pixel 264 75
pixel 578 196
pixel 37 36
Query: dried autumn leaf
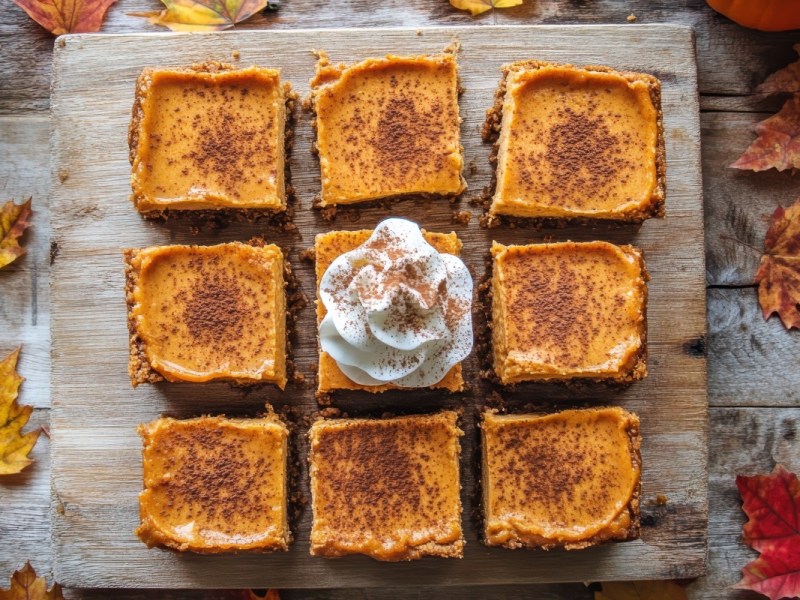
pixel 784 81
pixel 67 16
pixel 641 590
pixel 778 275
pixel 778 142
pixel 476 7
pixel 25 585
pixel 772 504
pixel 251 595
pixel 14 219
pixel 14 445
pixel 203 15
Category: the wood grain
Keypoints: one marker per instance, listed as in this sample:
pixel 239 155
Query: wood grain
pixel 96 462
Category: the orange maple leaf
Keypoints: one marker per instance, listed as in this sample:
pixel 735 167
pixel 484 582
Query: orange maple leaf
pixel 641 590
pixel 778 275
pixel 778 142
pixel 203 15
pixel 14 219
pixel 25 585
pixel 67 16
pixel 784 81
pixel 14 445
pixel 772 504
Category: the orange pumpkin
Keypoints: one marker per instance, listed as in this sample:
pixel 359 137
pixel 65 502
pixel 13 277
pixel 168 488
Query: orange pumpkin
pixel 766 15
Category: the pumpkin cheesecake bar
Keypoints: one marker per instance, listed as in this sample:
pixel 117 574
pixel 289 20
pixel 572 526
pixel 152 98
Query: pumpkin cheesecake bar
pixel 577 143
pixel 569 310
pixel 200 313
pixel 213 484
pixel 329 246
pixel 387 488
pixel 387 127
pixel 569 479
pixel 208 137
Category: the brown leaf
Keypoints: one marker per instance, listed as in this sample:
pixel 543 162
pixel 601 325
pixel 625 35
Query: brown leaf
pixel 476 7
pixel 25 585
pixel 786 80
pixel 14 219
pixel 778 275
pixel 203 15
pixel 778 142
pixel 67 16
pixel 641 590
pixel 14 445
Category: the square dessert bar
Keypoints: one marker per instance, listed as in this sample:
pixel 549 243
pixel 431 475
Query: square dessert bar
pixel 388 127
pixel 329 246
pixel 213 484
pixel 387 488
pixel 208 137
pixel 569 311
pixel 569 479
pixel 198 313
pixel 577 143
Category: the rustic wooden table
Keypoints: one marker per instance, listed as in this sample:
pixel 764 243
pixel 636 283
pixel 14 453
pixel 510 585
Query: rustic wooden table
pixel 754 366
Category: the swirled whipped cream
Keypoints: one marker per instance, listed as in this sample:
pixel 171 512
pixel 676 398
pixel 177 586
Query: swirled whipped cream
pixel 399 311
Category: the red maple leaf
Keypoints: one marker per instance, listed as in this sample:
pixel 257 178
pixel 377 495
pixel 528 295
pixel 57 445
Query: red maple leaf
pixel 772 503
pixel 778 141
pixel 778 275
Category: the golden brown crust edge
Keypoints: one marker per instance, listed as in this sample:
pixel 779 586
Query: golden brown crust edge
pixel 139 367
pixel 490 132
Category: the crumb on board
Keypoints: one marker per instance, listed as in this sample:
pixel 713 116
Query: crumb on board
pixel 235 54
pixel 461 217
pixel 661 500
pixel 631 18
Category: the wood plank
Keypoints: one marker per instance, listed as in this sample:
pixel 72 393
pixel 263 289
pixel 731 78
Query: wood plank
pixel 95 411
pixel 752 362
pixel 742 441
pixel 25 283
pixel 731 59
pixel 25 514
pixel 738 203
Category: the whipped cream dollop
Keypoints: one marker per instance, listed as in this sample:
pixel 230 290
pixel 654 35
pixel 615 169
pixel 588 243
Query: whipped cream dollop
pixel 399 311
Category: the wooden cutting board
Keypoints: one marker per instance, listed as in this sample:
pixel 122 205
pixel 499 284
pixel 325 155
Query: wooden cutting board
pixel 96 473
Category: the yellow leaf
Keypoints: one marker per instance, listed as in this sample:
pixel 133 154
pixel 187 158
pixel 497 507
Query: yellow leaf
pixel 25 585
pixel 14 219
pixel 203 15
pixel 477 7
pixel 641 590
pixel 14 445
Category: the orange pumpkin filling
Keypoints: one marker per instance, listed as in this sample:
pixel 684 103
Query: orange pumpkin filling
pixel 568 310
pixel 198 313
pixel 578 143
pixel 214 484
pixel 387 488
pixel 208 137
pixel 567 479
pixel 388 127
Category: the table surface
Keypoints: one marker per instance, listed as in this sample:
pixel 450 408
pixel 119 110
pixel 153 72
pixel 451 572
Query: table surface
pixel 754 366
